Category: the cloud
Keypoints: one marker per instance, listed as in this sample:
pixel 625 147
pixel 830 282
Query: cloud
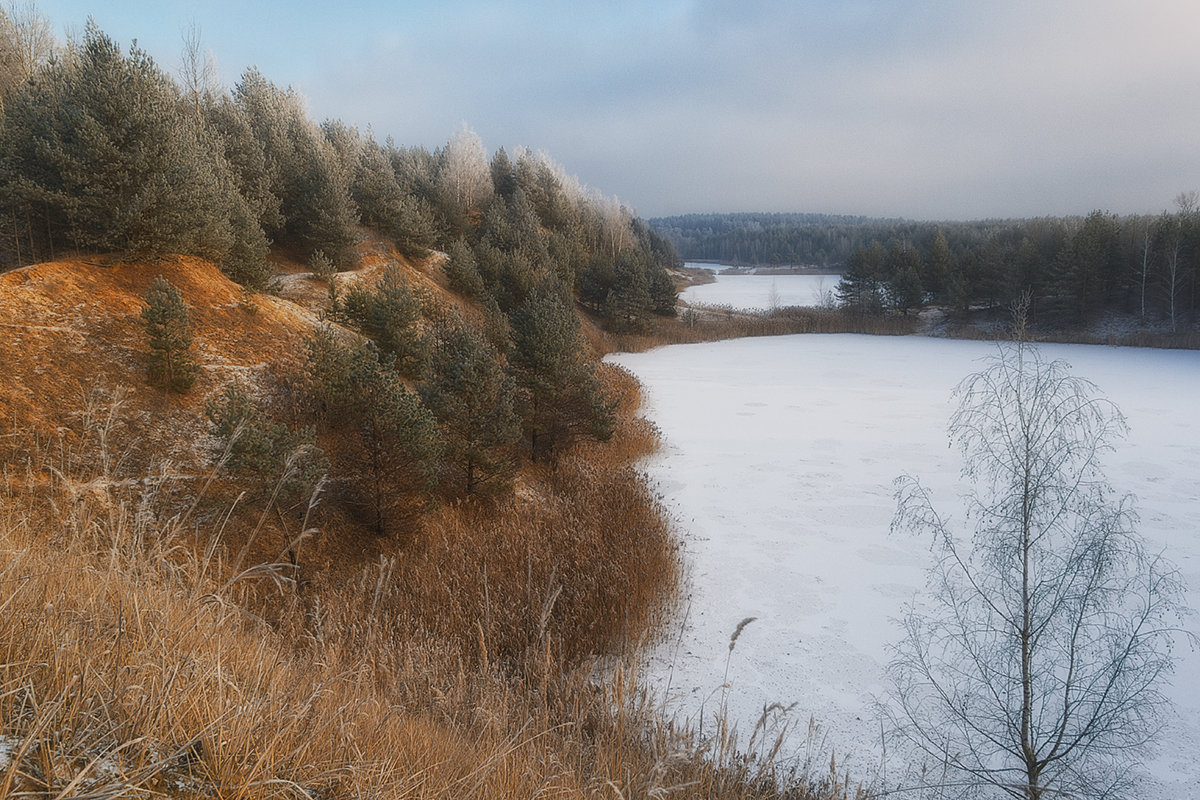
pixel 925 108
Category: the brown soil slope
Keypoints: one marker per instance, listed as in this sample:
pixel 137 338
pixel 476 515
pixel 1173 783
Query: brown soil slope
pixel 70 329
pixel 74 357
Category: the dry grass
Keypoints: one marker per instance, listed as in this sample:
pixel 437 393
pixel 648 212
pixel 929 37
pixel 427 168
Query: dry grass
pixel 143 654
pixel 580 561
pixel 130 667
pixel 157 637
pixel 1182 340
pixel 581 565
pixel 69 327
pixel 708 325
pixel 1113 329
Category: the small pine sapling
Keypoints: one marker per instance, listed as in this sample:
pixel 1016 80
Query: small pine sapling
pixel 169 331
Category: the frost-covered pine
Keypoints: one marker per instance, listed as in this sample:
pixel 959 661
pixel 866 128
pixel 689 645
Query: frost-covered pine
pixel 169 331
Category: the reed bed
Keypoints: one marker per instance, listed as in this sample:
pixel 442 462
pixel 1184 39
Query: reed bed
pixel 1163 340
pixel 715 324
pixel 143 655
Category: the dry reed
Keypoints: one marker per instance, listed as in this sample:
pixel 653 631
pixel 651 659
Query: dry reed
pixel 144 653
pixel 714 324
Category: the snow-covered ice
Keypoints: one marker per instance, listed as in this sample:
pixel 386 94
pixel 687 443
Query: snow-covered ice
pixel 778 460
pixel 762 292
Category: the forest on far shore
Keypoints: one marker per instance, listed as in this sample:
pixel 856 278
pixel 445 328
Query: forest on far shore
pixel 1072 268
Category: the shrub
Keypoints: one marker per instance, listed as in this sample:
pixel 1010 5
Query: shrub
pixel 260 449
pixel 322 267
pixel 169 330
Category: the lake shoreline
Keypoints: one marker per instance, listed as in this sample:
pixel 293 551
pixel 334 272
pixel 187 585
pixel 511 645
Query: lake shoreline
pixel 767 298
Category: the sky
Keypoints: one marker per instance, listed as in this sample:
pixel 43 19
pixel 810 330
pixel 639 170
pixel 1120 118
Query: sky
pixel 926 109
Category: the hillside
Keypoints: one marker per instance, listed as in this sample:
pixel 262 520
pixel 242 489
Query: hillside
pixel 378 530
pixel 97 462
pixel 76 353
pixel 72 328
pixel 82 317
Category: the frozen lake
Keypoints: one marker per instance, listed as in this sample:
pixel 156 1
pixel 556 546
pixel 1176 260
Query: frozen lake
pixel 762 292
pixel 778 461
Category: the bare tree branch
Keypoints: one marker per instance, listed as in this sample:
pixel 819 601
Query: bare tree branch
pixel 1033 667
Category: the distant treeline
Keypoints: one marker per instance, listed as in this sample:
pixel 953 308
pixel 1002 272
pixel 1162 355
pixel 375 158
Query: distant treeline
pixel 767 239
pixel 1072 268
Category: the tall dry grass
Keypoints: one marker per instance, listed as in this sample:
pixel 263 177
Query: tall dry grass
pixel 142 653
pixel 713 324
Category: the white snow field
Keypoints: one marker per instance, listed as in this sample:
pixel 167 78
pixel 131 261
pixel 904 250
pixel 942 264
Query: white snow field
pixel 778 461
pixel 754 292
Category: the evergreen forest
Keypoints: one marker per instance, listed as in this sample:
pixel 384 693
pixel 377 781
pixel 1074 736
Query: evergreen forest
pixel 1072 268
pixel 101 151
pixel 104 153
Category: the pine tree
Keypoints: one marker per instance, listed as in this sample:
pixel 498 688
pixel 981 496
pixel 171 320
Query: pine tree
pixel 596 282
pixel 504 179
pixel 633 300
pixel 383 442
pixel 940 265
pixel 536 177
pixel 664 297
pixel 323 268
pixel 558 394
pixel 99 147
pixel 230 124
pixel 472 398
pixel 462 272
pixel 169 331
pixel 658 255
pixel 266 451
pixel 904 267
pixel 316 211
pixel 861 287
pixel 391 315
pixel 1087 265
pixel 416 170
pixel 382 203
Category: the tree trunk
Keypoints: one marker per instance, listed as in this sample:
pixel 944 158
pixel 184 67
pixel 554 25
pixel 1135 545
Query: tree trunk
pixel 49 231
pixel 32 248
pixel 1028 746
pixel 16 235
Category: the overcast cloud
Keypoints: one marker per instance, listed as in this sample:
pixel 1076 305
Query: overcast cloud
pixel 915 108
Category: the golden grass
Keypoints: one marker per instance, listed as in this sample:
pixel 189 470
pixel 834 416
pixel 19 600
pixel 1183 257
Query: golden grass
pixel 708 325
pixel 581 563
pixel 142 656
pixel 156 638
pixel 128 669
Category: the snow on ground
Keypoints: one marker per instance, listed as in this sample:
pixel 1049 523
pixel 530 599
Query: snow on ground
pixel 778 461
pixel 749 292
